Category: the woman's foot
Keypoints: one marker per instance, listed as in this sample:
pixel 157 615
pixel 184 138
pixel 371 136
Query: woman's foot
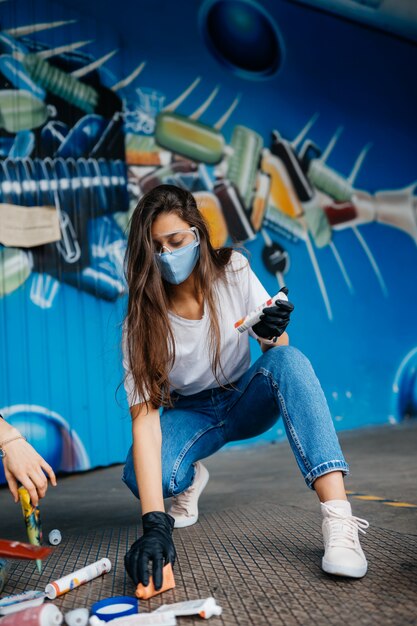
pixel 343 555
pixel 184 508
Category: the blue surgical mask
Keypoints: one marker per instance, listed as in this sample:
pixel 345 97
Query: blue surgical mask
pixel 177 266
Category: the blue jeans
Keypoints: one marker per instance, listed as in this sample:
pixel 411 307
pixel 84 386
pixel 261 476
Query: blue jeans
pixel 281 382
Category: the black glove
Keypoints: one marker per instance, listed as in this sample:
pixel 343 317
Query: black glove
pixel 155 545
pixel 274 319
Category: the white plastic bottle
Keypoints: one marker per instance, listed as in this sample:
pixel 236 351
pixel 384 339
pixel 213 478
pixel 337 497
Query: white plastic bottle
pixel 204 608
pixel 253 317
pixel 81 576
pixel 45 615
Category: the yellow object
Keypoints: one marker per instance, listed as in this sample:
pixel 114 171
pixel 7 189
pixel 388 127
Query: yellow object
pixel 282 193
pixel 31 515
pixel 191 139
pixel 260 201
pixel 210 208
pixel 372 498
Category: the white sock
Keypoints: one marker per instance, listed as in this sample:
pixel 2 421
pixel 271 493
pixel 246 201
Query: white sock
pixel 342 505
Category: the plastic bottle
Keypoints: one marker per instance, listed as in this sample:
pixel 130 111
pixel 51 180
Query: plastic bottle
pixel 76 579
pixel 45 615
pixel 204 608
pixel 254 316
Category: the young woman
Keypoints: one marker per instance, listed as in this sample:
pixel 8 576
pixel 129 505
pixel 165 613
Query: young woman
pixel 191 387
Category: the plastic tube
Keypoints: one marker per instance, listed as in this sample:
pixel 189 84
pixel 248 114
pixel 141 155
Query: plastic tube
pixel 204 608
pixel 45 615
pixel 21 601
pixel 210 209
pixel 242 165
pixel 329 181
pixel 32 518
pixel 254 316
pixel 189 138
pixel 238 224
pixel 284 151
pixel 76 579
pixel 282 193
pixel 60 83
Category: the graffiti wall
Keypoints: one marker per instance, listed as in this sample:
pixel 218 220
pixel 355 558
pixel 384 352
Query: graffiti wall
pixel 295 130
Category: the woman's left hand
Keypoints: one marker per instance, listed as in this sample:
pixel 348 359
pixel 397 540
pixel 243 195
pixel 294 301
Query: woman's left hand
pixel 274 319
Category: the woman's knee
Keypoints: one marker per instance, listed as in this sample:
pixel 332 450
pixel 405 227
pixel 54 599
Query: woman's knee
pixel 287 360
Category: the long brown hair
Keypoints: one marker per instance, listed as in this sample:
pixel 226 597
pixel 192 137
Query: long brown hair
pixel 149 338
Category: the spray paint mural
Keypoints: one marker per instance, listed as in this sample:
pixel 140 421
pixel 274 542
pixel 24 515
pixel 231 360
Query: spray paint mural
pixel 86 135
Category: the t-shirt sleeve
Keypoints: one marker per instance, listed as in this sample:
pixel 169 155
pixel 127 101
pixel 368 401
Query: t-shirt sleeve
pixel 252 288
pixel 132 395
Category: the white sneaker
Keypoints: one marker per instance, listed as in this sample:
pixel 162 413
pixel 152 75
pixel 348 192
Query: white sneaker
pixel 343 555
pixel 184 508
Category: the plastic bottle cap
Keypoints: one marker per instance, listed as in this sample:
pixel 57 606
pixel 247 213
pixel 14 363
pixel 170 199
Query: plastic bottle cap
pixel 119 606
pixel 54 537
pixel 77 617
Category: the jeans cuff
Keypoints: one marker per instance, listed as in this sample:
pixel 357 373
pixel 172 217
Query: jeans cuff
pixel 326 468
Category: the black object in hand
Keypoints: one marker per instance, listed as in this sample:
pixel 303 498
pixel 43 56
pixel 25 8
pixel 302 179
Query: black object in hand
pixel 154 546
pixel 274 319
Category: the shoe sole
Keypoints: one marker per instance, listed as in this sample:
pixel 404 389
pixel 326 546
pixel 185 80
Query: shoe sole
pixel 190 521
pixel 337 570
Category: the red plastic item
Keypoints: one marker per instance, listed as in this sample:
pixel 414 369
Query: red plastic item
pixel 17 550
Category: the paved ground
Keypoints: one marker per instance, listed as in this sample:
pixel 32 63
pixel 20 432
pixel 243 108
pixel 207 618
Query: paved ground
pixel 257 546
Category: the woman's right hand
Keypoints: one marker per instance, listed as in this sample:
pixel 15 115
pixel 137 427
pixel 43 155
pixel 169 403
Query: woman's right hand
pixel 22 464
pixel 155 546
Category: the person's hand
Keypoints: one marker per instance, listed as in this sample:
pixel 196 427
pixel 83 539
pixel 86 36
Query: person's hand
pixel 274 319
pixel 154 546
pixel 24 465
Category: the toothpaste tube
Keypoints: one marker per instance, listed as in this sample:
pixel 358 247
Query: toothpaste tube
pixel 254 316
pixel 21 601
pixel 32 521
pixel 141 619
pixel 76 579
pixel 204 608
pixel 44 615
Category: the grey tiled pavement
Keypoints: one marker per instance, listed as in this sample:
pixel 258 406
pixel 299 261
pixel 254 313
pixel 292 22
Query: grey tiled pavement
pixel 257 546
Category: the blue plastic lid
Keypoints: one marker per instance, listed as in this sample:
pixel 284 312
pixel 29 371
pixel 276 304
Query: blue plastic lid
pixel 119 606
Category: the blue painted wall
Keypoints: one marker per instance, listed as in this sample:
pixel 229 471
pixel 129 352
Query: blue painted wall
pixel 60 359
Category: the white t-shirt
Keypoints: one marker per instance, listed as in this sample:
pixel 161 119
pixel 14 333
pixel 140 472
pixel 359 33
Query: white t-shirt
pixel 239 294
